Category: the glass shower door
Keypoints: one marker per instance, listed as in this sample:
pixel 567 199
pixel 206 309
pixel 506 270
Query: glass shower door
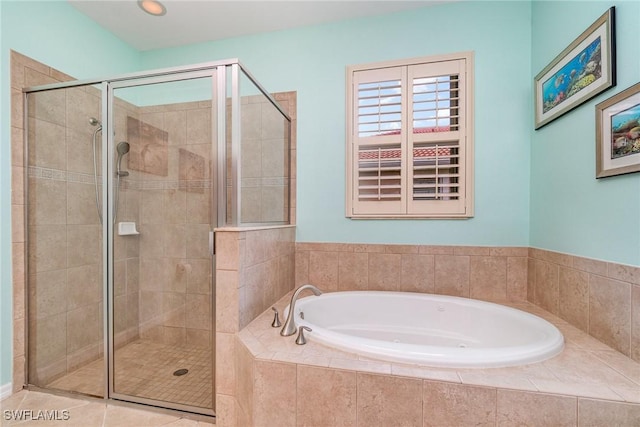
pixel 64 266
pixel 162 334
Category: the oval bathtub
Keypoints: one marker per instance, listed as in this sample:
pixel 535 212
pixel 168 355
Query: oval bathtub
pixel 426 329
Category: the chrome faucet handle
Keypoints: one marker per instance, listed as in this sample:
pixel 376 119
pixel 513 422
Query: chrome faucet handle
pixel 301 339
pixel 276 319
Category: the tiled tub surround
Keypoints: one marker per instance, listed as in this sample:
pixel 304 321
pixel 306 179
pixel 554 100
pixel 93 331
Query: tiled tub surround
pixel 597 297
pixel 487 273
pixel 600 298
pixel 281 383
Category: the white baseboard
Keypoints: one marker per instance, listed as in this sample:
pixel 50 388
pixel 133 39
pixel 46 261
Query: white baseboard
pixel 5 390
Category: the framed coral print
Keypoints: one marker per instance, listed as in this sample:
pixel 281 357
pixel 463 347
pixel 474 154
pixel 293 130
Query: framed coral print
pixel 580 72
pixel 618 134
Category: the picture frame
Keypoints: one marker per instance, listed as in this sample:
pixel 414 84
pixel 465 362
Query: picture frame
pixel 584 69
pixel 618 134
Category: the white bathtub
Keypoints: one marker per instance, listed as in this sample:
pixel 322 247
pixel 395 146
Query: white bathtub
pixel 425 329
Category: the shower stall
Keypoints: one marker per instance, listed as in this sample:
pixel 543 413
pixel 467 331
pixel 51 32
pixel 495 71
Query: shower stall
pixel 127 179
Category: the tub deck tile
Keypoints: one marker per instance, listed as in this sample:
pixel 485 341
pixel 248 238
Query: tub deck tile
pixel 514 382
pixel 361 365
pixel 424 372
pixel 586 368
pixel 630 395
pixel 620 363
pixel 596 391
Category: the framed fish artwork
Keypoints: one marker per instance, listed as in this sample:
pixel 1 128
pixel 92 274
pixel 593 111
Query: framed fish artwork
pixel 584 69
pixel 618 134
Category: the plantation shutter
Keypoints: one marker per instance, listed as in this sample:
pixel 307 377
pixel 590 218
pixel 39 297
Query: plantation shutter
pixel 436 138
pixel 410 145
pixel 378 152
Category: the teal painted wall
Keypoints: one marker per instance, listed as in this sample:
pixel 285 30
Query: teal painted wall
pixel 55 33
pixel 571 211
pixel 312 61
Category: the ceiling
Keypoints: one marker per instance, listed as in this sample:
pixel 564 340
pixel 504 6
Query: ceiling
pixel 194 21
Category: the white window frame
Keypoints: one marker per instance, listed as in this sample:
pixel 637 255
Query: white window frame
pixel 407 207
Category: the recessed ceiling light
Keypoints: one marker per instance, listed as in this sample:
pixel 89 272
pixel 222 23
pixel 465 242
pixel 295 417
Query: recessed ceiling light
pixel 152 7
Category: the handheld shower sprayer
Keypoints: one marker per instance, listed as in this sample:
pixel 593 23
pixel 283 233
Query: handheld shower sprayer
pixel 122 148
pixel 95 122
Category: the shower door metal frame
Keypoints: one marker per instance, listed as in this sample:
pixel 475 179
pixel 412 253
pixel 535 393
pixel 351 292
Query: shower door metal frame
pixel 109 229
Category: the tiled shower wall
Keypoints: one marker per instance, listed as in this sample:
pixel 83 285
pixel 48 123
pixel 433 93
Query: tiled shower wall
pixel 175 211
pixel 265 159
pixel 126 249
pixel 24 72
pixel 175 265
pixel 65 246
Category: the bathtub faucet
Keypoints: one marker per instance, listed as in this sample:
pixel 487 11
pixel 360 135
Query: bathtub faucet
pixel 289 327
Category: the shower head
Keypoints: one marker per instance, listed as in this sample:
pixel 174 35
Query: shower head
pixel 122 148
pixel 94 122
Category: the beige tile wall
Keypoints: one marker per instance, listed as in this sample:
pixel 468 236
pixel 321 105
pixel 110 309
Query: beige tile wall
pixel 65 262
pixel 265 157
pixel 265 154
pixel 254 269
pixel 289 394
pixel 175 216
pixel 600 298
pixel 488 273
pixel 24 72
pixel 289 102
pixel 126 248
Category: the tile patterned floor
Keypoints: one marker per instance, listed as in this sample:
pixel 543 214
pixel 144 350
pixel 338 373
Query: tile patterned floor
pixel 29 405
pixel 145 369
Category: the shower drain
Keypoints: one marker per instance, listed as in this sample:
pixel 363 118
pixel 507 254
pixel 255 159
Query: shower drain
pixel 180 372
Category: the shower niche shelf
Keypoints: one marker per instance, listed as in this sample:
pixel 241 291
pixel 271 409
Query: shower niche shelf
pixel 127 229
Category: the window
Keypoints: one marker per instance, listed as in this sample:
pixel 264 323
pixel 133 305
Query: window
pixel 410 138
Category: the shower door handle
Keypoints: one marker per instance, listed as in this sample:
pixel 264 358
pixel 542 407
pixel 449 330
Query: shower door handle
pixel 212 243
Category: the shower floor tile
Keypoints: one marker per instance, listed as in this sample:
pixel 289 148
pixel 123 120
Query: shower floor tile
pixel 146 369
